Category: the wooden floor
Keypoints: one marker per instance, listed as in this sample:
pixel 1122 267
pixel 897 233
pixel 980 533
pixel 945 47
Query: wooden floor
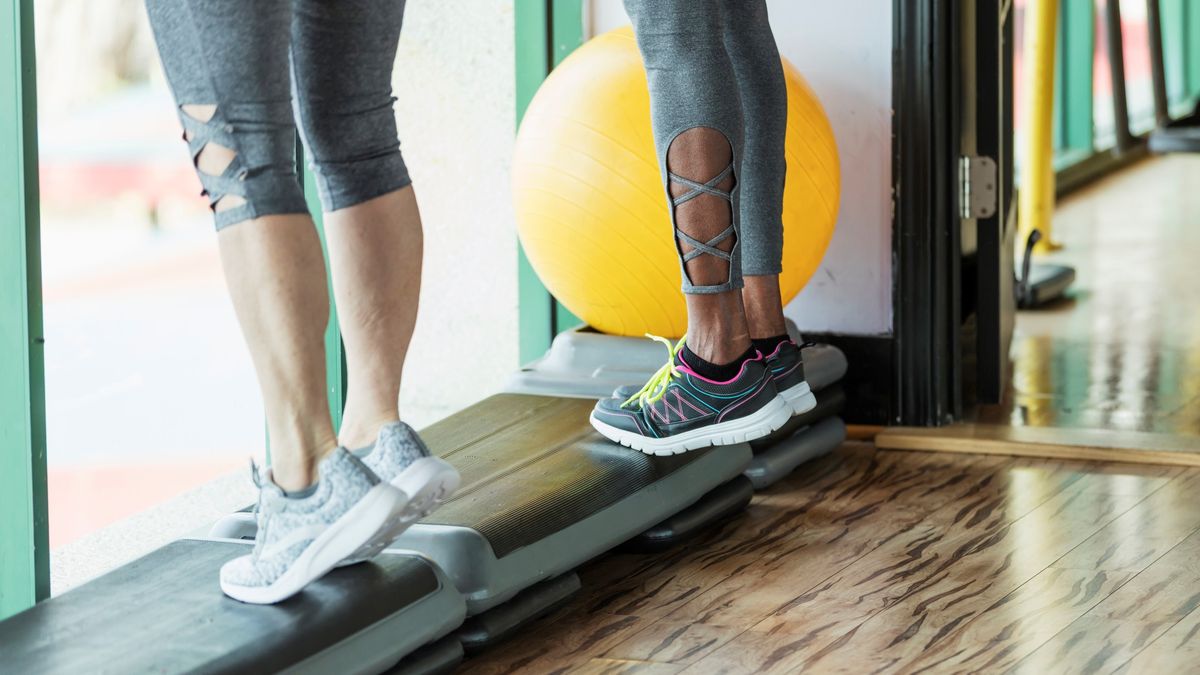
pixel 1122 352
pixel 878 561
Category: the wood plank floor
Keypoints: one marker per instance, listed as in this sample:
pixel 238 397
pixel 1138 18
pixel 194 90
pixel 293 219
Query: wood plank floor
pixel 1122 352
pixel 897 562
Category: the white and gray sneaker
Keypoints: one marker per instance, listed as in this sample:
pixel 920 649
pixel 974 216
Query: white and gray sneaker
pixel 349 513
pixel 401 458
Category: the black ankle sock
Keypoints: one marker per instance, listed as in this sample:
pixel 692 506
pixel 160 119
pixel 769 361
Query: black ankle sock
pixel 768 345
pixel 712 371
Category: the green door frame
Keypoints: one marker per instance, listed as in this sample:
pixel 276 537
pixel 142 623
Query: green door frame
pixel 24 532
pixel 547 31
pixel 24 526
pixel 335 351
pixel 1073 84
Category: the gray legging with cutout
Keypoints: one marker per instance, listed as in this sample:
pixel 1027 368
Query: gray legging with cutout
pixel 714 63
pixel 266 64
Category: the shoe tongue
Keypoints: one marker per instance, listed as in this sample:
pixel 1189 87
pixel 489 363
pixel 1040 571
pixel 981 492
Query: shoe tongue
pixel 678 360
pixel 399 434
pixel 271 493
pixel 390 432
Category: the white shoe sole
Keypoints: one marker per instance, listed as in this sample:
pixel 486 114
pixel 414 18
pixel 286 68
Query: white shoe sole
pixel 800 397
pixel 762 422
pixel 427 482
pixel 359 528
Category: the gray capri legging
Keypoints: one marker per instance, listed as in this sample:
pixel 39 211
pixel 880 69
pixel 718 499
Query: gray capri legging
pixel 714 63
pixel 266 64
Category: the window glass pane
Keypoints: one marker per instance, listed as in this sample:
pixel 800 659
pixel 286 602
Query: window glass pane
pixel 1019 72
pixel 149 390
pixel 1102 107
pixel 1174 41
pixel 1139 80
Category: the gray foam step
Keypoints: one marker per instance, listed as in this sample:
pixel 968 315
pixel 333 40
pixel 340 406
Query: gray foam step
pixel 497 624
pixel 720 503
pixel 805 445
pixel 542 493
pixel 438 658
pixel 582 363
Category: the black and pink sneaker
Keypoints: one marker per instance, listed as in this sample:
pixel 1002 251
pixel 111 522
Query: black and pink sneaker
pixel 787 369
pixel 678 410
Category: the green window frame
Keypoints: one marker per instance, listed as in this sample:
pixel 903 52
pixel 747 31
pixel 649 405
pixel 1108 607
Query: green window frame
pixel 24 530
pixel 24 525
pixel 1073 130
pixel 547 31
pixel 1078 159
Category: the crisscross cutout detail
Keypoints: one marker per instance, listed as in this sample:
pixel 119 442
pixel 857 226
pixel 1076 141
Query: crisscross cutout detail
pixel 710 188
pixel 203 126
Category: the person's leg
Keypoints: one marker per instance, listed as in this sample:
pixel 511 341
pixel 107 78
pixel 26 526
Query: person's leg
pixel 235 104
pixel 716 389
pixel 227 63
pixel 343 54
pixel 697 124
pixel 763 93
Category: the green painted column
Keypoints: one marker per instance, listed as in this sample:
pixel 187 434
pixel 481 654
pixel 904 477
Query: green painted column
pixel 566 35
pixel 534 308
pixel 24 540
pixel 546 32
pixel 335 351
pixel 1077 38
pixel 1174 37
pixel 1191 23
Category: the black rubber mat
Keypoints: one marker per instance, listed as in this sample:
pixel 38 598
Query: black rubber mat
pixel 533 465
pixel 164 613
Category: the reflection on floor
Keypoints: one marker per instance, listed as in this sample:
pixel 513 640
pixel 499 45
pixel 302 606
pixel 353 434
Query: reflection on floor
pixel 870 561
pixel 1123 351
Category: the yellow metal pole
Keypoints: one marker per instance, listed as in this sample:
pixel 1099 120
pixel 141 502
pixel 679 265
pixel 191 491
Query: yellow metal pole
pixel 1037 168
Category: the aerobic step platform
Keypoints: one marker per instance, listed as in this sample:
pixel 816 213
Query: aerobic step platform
pixel 542 493
pixel 586 364
pixel 165 613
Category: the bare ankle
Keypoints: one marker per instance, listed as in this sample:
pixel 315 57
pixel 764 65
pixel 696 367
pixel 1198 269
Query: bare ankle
pixel 717 330
pixel 292 477
pixel 359 431
pixel 764 307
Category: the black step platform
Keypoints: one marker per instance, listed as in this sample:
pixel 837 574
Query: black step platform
pixel 722 502
pixel 164 613
pixel 542 492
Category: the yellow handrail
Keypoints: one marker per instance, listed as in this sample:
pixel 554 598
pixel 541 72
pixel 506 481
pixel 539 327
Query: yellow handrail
pixel 1037 168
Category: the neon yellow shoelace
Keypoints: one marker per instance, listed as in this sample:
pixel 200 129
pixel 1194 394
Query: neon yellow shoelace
pixel 656 386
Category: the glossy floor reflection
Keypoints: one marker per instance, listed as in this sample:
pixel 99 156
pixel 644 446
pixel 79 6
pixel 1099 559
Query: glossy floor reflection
pixel 896 562
pixel 1122 351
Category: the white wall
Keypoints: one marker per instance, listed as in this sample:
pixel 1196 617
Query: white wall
pixel 454 83
pixel 845 51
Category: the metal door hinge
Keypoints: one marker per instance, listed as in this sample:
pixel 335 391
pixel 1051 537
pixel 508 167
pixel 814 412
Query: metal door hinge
pixel 977 187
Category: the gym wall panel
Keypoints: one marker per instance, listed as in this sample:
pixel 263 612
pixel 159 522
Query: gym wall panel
pixel 845 51
pixel 454 82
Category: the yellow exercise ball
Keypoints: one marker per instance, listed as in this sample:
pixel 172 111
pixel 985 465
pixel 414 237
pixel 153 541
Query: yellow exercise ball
pixel 590 205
